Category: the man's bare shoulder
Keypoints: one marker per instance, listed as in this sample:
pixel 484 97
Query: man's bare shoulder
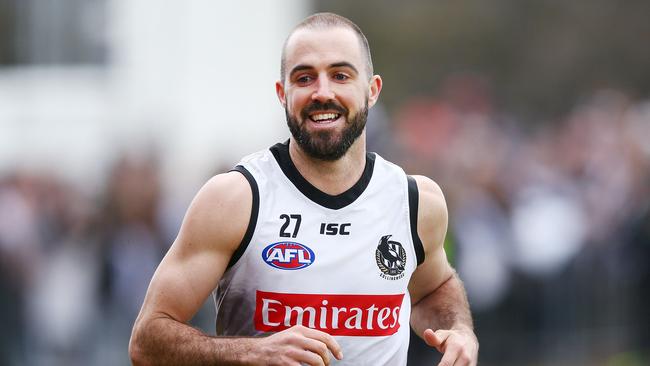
pixel 228 188
pixel 219 213
pixel 432 212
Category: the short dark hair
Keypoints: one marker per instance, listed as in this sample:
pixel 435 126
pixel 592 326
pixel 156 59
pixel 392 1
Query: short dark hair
pixel 329 20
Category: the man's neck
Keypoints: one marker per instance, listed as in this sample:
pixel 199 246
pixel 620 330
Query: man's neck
pixel 331 177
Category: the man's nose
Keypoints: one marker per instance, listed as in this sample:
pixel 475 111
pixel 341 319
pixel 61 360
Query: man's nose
pixel 323 91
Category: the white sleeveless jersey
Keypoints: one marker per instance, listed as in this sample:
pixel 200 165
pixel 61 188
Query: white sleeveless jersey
pixel 340 264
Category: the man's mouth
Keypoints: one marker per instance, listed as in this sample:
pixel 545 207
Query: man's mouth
pixel 324 117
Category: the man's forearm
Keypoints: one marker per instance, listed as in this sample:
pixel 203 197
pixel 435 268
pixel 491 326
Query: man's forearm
pixel 164 341
pixel 445 308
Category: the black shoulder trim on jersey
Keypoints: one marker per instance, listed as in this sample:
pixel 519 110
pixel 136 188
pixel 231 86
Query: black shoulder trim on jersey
pixel 281 153
pixel 413 213
pixel 254 212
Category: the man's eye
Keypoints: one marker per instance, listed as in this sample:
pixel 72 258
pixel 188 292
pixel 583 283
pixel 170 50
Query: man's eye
pixel 341 77
pixel 304 79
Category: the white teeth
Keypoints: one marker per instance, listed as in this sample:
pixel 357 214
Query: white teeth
pixel 324 116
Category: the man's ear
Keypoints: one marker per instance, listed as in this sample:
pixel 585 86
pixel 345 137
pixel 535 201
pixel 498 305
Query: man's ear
pixel 279 91
pixel 374 88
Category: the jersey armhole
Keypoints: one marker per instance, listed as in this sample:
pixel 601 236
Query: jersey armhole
pixel 413 216
pixel 253 220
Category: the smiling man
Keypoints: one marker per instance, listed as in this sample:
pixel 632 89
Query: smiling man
pixel 316 251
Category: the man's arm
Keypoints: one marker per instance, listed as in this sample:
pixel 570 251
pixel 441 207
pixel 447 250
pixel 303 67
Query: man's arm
pixel 440 313
pixel 212 229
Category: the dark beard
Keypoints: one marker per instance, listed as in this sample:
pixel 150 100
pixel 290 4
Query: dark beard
pixel 324 145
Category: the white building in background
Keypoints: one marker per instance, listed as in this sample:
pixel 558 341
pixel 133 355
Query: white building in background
pixel 193 79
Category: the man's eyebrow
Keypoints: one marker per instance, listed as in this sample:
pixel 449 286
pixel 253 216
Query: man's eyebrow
pixel 344 64
pixel 302 67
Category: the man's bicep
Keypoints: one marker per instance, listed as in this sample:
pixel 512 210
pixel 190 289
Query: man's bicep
pixel 180 286
pixel 429 275
pixel 432 227
pixel 212 229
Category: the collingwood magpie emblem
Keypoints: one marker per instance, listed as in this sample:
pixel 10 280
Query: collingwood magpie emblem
pixel 391 258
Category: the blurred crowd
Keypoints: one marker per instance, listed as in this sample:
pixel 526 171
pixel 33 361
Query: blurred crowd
pixel 549 221
pixel 75 266
pixel 549 229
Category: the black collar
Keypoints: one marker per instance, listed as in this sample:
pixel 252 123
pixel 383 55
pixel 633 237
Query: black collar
pixel 281 153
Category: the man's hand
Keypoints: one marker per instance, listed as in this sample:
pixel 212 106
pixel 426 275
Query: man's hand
pixel 297 346
pixel 459 347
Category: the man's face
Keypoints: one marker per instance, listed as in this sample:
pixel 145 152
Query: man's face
pixel 326 92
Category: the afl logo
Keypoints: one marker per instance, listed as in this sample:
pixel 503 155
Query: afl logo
pixel 391 258
pixel 288 255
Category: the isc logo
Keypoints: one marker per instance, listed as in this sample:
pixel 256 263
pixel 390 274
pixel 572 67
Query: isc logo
pixel 288 255
pixel 335 229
